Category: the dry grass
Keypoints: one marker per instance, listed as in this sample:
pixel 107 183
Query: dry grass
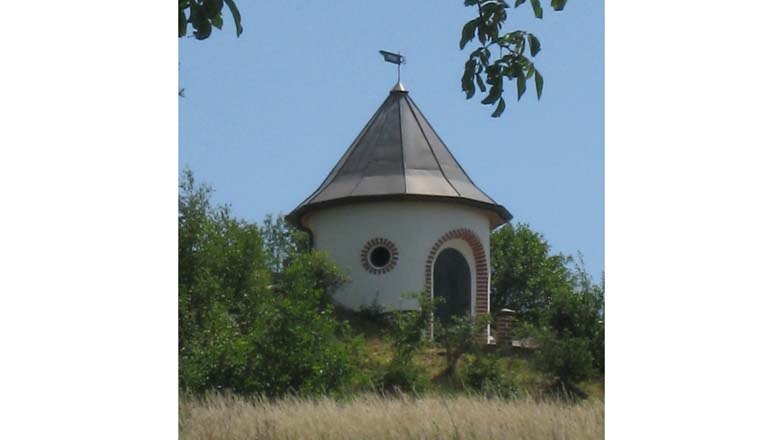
pixel 375 417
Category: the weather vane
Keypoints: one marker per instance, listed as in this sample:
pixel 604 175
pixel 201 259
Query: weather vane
pixel 395 58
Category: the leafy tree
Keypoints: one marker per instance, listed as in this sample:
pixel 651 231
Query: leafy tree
pixel 554 296
pixel 578 313
pixel 282 241
pixel 204 15
pixel 512 63
pixel 296 344
pixel 246 323
pixel 524 273
pixel 221 262
pixel 589 311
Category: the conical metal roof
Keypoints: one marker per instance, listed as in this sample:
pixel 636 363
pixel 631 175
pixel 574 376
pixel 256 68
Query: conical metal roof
pixel 398 155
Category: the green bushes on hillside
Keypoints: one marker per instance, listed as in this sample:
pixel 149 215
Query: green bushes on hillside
pixel 464 334
pixel 253 309
pixel 556 302
pixel 407 332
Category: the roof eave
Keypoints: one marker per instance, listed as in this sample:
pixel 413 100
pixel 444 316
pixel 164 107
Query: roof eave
pixel 296 216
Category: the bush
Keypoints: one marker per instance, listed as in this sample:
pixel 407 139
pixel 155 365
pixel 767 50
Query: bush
pixel 408 328
pixel 406 333
pixel 598 349
pixel 564 358
pixel 459 337
pixel 482 373
pixel 552 291
pixel 401 377
pixel 373 312
pixel 252 320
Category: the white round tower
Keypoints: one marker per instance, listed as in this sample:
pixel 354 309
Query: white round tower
pixel 399 215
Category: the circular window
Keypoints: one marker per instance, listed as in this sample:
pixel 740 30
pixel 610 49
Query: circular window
pixel 379 256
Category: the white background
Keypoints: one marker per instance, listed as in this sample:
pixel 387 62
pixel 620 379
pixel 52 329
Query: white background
pixel 88 177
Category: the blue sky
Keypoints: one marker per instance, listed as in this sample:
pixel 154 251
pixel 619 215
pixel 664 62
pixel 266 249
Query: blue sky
pixel 268 114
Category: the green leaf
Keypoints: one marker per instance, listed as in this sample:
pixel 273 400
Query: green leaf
pixel 182 24
pixel 216 21
pixel 558 5
pixel 203 30
pixel 468 87
pixel 519 2
pixel 494 94
pixel 467 80
pixel 480 83
pixel 200 22
pixel 520 85
pixel 482 34
pixel 539 84
pixel 468 32
pixel 236 16
pixel 530 72
pixel 212 7
pixel 536 46
pixel 537 8
pixel 499 109
pixel 484 56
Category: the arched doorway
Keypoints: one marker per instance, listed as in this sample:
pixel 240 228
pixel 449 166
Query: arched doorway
pixel 452 282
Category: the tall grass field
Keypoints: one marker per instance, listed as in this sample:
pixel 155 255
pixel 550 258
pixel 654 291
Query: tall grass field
pixel 376 417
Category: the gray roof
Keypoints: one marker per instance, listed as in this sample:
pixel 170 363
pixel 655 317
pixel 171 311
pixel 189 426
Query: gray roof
pixel 398 155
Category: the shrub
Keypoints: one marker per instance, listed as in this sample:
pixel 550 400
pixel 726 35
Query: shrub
pixel 546 290
pixel 459 337
pixel 406 333
pixel 598 349
pixel 291 344
pixel 373 312
pixel 251 320
pixel 408 328
pixel 564 358
pixel 479 371
pixel 482 373
pixel 401 377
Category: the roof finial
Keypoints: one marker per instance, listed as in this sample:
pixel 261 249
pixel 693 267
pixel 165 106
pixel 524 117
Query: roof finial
pixel 398 87
pixel 395 58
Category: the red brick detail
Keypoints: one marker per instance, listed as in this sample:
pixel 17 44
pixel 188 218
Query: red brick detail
pixel 482 305
pixel 505 322
pixel 374 242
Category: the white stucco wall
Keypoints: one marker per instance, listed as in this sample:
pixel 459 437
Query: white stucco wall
pixel 414 227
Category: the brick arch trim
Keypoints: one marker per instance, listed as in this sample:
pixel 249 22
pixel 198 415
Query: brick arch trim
pixel 480 260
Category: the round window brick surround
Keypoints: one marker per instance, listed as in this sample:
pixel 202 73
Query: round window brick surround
pixel 370 245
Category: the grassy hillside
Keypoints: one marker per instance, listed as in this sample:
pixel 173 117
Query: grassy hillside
pixel 515 365
pixel 373 416
pixel 431 360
